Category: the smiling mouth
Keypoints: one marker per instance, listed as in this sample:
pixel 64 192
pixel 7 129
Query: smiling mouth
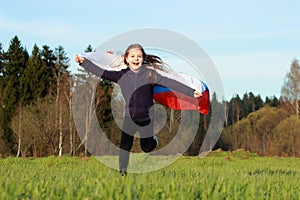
pixel 136 64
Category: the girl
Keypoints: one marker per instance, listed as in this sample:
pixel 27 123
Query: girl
pixel 137 82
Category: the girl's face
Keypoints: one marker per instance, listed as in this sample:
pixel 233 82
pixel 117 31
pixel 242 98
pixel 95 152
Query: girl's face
pixel 135 58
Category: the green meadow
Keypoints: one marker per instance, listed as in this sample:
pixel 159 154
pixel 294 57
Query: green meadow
pixel 220 175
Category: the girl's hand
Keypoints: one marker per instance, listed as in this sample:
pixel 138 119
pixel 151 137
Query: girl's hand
pixel 197 94
pixel 79 59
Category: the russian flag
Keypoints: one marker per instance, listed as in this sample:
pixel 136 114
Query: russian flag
pixel 165 96
pixel 178 101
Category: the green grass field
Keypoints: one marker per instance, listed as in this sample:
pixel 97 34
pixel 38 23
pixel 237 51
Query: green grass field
pixel 218 176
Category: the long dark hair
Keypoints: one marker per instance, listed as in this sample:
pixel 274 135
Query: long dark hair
pixel 149 59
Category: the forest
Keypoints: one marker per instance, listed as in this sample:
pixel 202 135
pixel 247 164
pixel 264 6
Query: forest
pixel 36 103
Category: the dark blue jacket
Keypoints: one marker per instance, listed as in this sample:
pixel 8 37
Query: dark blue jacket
pixel 137 87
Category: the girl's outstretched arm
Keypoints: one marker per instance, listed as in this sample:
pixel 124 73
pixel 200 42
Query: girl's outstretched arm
pixel 98 71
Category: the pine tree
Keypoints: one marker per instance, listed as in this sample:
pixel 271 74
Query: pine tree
pixel 34 78
pixel 14 60
pixel 89 48
pixel 49 58
pixel 272 101
pixel 13 66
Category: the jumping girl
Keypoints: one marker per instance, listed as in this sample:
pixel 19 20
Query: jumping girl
pixel 136 83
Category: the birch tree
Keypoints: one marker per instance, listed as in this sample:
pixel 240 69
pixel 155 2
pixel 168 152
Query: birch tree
pixel 62 63
pixel 291 89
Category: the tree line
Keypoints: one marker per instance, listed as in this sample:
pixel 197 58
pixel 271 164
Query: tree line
pixel 37 99
pixel 266 128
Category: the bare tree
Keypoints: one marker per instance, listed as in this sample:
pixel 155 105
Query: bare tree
pixel 60 74
pixel 68 95
pixel 84 104
pixel 25 131
pixel 291 88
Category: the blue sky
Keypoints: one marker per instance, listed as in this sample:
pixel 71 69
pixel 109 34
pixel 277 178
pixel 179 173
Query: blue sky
pixel 251 43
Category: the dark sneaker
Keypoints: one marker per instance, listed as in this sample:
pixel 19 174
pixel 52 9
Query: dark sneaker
pixel 123 172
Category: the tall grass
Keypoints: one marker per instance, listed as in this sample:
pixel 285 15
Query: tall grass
pixel 213 177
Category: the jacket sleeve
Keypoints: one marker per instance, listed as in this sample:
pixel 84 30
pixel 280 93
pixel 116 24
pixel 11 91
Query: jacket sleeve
pixel 174 85
pixel 98 71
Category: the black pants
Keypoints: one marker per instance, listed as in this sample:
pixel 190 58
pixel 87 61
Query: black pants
pixel 148 143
